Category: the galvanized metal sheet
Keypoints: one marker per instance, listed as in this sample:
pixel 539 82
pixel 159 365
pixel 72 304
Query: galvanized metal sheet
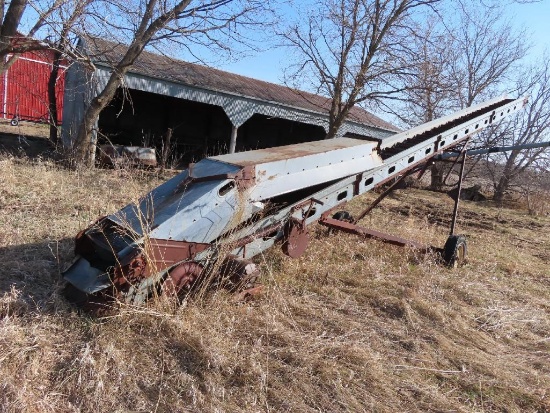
pixel 181 209
pixel 85 277
pixel 300 150
pixel 289 168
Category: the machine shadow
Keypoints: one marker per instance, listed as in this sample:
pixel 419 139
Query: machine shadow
pixel 31 277
pixel 32 147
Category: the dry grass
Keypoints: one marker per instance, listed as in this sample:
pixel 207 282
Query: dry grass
pixel 351 326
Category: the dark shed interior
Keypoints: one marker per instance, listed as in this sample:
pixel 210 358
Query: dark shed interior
pixel 142 119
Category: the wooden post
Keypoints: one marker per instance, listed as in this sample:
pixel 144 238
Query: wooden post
pixel 233 141
pixel 166 149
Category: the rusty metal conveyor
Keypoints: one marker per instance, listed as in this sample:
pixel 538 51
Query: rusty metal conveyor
pixel 224 210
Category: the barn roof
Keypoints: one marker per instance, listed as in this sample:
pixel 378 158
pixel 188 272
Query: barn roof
pixel 166 68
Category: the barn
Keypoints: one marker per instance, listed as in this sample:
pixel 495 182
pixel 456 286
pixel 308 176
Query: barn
pixel 24 87
pixel 209 111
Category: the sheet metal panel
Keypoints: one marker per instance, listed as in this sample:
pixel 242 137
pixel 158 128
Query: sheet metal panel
pixel 79 90
pixel 198 211
pixel 299 150
pixel 284 169
pixel 182 210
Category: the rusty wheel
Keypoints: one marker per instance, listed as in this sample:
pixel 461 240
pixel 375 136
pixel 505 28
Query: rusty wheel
pixel 181 278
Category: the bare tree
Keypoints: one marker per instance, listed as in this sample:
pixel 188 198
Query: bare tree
pixel 146 22
pixel 351 49
pixel 486 54
pixel 426 86
pixel 12 40
pixel 463 56
pixel 534 185
pixel 532 126
pixel 486 50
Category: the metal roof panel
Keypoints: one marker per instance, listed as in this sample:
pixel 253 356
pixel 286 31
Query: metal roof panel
pixel 166 68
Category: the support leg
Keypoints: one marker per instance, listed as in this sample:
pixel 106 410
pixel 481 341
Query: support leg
pixel 382 196
pixel 457 200
pixel 233 141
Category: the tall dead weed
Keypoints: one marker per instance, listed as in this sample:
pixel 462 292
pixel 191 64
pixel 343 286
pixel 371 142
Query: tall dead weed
pixel 352 325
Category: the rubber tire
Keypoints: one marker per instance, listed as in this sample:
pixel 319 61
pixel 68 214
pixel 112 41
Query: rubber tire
pixel 344 216
pixel 14 122
pixel 455 250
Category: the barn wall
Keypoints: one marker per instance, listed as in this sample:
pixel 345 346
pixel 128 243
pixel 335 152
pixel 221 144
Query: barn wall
pixel 24 88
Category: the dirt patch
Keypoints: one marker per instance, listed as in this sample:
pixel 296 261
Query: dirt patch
pixel 24 129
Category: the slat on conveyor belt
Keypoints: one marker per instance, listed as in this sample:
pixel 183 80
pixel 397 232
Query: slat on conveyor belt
pixel 406 154
pixel 402 141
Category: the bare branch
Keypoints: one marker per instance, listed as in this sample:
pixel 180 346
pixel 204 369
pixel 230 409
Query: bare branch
pixel 347 50
pixel 144 23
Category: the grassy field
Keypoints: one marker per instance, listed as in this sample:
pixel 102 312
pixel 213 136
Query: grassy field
pixel 352 325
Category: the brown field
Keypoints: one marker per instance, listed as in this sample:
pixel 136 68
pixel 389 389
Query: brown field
pixel 352 326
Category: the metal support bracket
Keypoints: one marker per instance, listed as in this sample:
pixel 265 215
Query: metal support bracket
pixel 384 195
pixel 460 179
pixel 371 233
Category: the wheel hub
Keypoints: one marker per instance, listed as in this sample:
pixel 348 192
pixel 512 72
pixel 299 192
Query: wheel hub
pixel 181 279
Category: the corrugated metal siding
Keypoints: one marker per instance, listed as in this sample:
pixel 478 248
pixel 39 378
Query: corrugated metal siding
pixel 24 88
pixel 80 87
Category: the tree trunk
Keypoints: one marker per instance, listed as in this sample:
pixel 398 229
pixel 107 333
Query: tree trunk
pixel 52 98
pixel 504 182
pixel 8 31
pixel 506 178
pixel 436 183
pixel 335 124
pixel 500 189
pixel 84 145
pixel 332 130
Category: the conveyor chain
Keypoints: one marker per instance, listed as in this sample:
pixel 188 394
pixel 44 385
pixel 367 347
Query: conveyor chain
pixel 409 143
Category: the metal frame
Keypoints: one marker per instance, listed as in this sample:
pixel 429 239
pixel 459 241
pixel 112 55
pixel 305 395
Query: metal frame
pixel 222 224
